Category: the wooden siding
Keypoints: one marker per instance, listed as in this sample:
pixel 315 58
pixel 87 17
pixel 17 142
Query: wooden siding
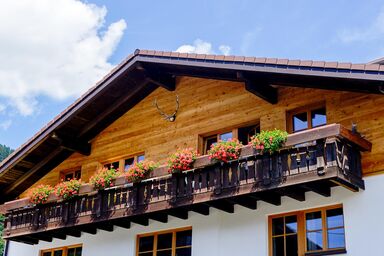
pixel 209 105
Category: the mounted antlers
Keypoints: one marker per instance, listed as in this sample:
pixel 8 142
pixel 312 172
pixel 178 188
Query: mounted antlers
pixel 172 117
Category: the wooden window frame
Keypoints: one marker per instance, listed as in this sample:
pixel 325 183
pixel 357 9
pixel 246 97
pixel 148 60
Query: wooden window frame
pixel 202 138
pixel 121 160
pixel 155 237
pixel 64 173
pixel 63 248
pixel 302 231
pixel 305 109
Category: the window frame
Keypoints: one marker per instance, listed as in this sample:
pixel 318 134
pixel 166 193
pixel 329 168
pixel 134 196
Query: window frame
pixel 302 231
pixel 155 237
pixel 66 172
pixel 202 138
pixel 63 248
pixel 121 160
pixel 308 110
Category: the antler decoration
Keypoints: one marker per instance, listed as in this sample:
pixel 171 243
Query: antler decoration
pixel 172 117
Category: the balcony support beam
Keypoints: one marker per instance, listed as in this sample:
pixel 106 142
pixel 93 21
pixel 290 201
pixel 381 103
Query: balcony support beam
pixel 223 205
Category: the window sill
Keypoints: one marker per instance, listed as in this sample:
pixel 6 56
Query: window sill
pixel 329 252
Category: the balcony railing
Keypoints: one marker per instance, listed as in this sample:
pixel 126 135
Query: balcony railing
pixel 313 160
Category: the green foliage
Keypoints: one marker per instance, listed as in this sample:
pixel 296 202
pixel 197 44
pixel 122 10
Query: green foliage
pixel 269 141
pixel 4 152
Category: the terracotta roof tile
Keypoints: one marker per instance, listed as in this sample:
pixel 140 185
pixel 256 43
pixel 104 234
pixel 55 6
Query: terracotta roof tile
pixel 192 55
pixel 249 59
pixel 183 55
pixel 260 60
pixel 229 58
pixel 358 66
pixel 372 67
pixel 306 63
pixel 381 68
pixel 293 62
pixel 239 58
pixel 210 57
pixel 318 64
pixel 219 57
pixel 330 64
pixel 167 54
pixel 201 56
pixel 271 61
pixel 282 61
pixel 343 65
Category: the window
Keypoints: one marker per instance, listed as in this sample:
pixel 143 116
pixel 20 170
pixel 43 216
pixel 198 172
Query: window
pixel 131 160
pixel 113 165
pixel 70 174
pixel 308 232
pixel 243 134
pixel 167 243
pixel 306 118
pixel 74 250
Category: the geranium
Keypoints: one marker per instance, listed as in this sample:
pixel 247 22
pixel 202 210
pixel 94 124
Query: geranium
pixel 182 160
pixel 40 194
pixel 140 171
pixel 104 178
pixel 269 141
pixel 68 189
pixel 225 151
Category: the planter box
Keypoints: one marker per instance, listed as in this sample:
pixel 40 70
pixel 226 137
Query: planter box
pixel 85 189
pixel 119 181
pixel 52 198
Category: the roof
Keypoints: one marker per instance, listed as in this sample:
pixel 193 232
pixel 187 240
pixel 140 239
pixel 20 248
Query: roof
pixel 144 71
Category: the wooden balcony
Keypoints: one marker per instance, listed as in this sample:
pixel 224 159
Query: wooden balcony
pixel 313 160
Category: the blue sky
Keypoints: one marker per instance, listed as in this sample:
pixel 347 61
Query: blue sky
pixel 351 31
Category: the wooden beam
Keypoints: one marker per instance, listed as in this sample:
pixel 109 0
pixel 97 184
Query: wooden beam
pixel 25 240
pixel 87 229
pixel 270 197
pixel 141 220
pixel 223 205
pixel 73 144
pixel 162 79
pixel 319 189
pixel 260 87
pixel 159 216
pixel 180 213
pixel 296 193
pixel 59 235
pixel 246 201
pixel 50 156
pixel 106 226
pixel 43 237
pixel 123 223
pixel 202 209
pixel 73 232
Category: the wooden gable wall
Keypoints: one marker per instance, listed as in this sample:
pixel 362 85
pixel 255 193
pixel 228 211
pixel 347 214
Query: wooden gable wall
pixel 210 105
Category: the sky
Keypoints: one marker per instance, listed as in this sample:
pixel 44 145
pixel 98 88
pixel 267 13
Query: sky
pixel 51 52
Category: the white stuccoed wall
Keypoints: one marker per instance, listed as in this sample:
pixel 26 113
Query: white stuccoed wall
pixel 245 232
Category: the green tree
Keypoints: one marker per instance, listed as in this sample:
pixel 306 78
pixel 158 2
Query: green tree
pixel 4 152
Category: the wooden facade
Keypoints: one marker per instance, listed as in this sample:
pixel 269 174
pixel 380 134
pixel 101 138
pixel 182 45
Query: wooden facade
pixel 212 105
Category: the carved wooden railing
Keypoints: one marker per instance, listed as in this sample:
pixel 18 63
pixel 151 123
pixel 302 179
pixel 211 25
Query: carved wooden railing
pixel 330 152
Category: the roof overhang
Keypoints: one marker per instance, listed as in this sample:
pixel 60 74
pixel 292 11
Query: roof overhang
pixel 142 73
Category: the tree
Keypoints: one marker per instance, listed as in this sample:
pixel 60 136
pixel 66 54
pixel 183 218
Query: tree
pixel 4 152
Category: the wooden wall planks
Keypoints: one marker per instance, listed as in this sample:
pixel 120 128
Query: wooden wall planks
pixel 208 105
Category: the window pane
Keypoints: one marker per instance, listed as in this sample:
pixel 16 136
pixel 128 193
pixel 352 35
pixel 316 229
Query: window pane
pixel 165 253
pixel 128 163
pixel 140 158
pixel 184 252
pixel 315 241
pixel 146 244
pixel 77 175
pixel 300 122
pixel 58 253
pixel 47 254
pixel 245 133
pixel 68 176
pixel 71 252
pixel 79 251
pixel 336 238
pixel 278 226
pixel 146 254
pixel 290 224
pixel 278 246
pixel 291 245
pixel 318 117
pixel 335 218
pixel 313 221
pixel 209 142
pixel 114 165
pixel 226 136
pixel 164 241
pixel 184 238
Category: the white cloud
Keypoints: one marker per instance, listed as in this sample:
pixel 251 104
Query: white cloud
pixel 52 48
pixel 4 125
pixel 202 47
pixel 374 31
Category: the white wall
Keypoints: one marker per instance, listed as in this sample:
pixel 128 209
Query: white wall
pixel 245 232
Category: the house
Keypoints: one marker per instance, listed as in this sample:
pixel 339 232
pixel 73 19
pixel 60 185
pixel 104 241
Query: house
pixel 321 194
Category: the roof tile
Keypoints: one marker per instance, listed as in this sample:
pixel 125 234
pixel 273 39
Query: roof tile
pixel 306 63
pixel 210 57
pixel 372 67
pixel 358 66
pixel 318 64
pixel 175 54
pixel 293 62
pixel 343 65
pixel 329 64
pixel 183 55
pixel 260 60
pixel 239 58
pixel 249 59
pixel 201 56
pixel 167 54
pixel 282 61
pixel 219 57
pixel 229 58
pixel 271 61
